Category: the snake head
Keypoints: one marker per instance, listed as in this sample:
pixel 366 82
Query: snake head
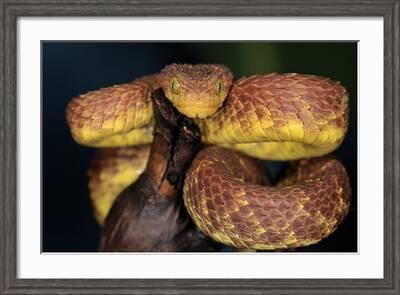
pixel 197 91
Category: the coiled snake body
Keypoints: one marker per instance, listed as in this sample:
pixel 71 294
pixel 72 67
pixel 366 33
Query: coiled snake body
pixel 277 117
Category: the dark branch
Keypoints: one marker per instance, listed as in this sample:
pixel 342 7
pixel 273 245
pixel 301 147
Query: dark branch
pixel 149 215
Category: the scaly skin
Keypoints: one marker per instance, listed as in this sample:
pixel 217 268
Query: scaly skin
pixel 122 115
pixel 112 170
pixel 281 117
pixel 115 116
pixel 277 117
pixel 233 208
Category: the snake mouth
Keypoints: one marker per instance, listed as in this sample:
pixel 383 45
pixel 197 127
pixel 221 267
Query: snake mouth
pixel 196 106
pixel 199 111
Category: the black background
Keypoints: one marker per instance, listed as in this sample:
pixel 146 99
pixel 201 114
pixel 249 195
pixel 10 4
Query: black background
pixel 73 68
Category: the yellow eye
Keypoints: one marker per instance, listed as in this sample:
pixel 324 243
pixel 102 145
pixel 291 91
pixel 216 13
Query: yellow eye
pixel 218 87
pixel 175 86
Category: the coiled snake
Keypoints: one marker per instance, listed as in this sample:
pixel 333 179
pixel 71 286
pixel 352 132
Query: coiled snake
pixel 273 116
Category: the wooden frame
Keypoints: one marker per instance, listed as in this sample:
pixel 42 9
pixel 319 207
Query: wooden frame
pixel 11 10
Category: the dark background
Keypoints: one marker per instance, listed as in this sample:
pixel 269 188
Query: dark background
pixel 73 68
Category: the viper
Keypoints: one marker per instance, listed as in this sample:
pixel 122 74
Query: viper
pixel 260 117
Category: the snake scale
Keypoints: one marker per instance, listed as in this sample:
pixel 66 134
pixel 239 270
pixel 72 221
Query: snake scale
pixel 271 116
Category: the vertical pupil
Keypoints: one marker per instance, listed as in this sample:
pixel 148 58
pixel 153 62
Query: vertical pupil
pixel 219 86
pixel 175 86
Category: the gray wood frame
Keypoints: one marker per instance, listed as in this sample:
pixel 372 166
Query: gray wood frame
pixel 11 10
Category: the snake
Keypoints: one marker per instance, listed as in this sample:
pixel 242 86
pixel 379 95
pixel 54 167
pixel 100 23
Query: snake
pixel 287 117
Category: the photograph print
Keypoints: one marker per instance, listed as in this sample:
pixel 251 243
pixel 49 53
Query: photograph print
pixel 199 146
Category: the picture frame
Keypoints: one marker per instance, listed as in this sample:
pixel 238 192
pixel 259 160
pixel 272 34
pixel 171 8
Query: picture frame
pixel 11 10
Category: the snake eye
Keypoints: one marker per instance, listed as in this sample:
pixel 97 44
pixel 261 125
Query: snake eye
pixel 175 86
pixel 218 87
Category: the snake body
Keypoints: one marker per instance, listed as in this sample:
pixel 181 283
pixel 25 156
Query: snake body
pixel 272 116
pixel 233 207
